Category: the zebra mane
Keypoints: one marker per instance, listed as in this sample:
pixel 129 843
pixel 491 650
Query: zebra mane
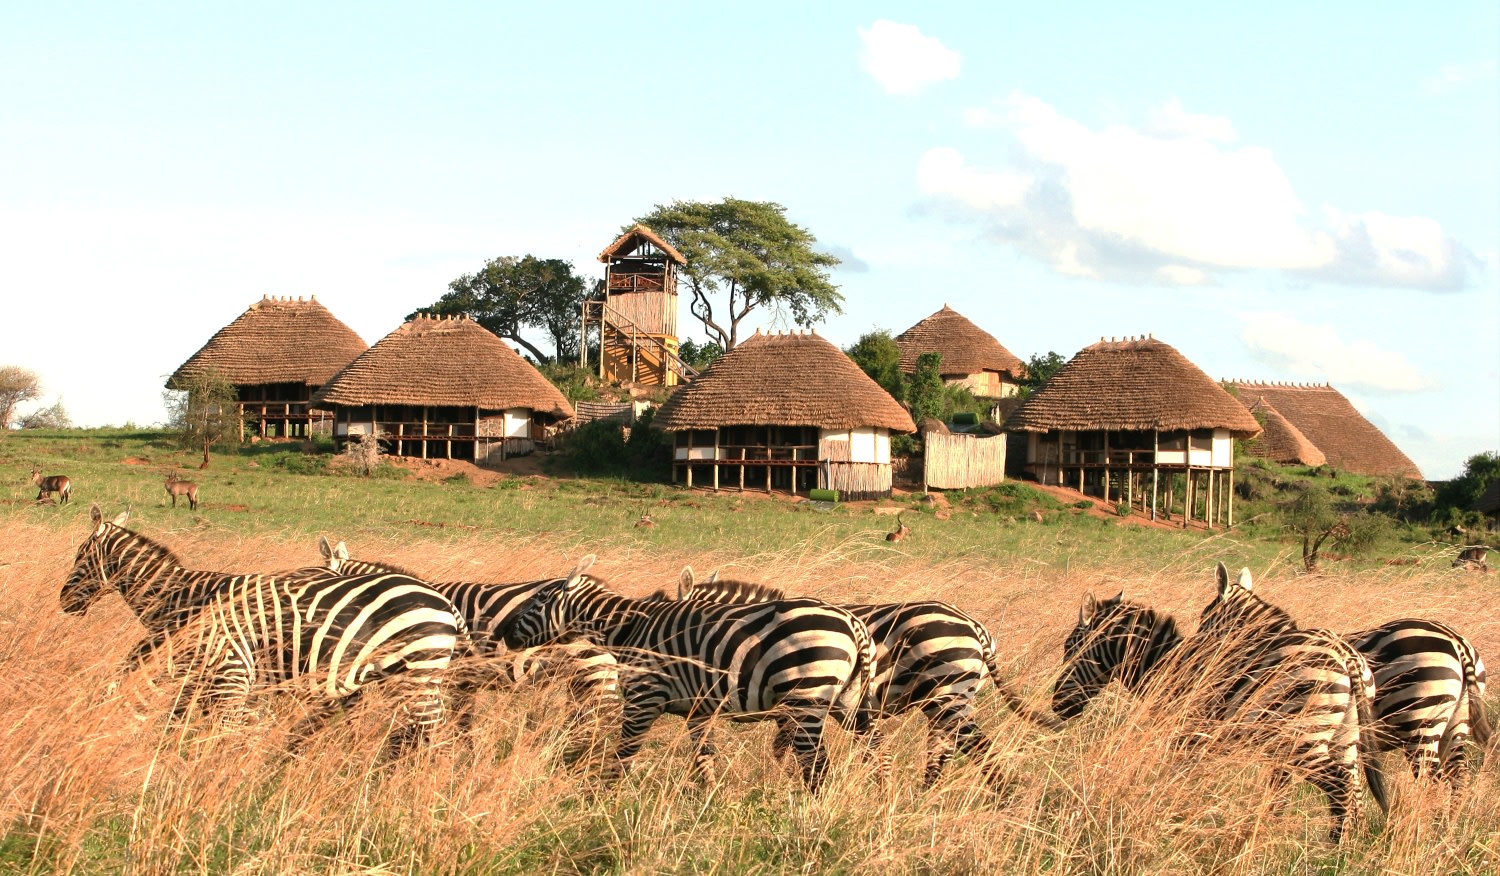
pixel 730 591
pixel 161 551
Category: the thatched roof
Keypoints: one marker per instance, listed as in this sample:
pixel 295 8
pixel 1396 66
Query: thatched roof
pixel 1281 441
pixel 1135 383
pixel 443 363
pixel 1348 441
pixel 965 347
pixel 278 340
pixel 791 379
pixel 633 238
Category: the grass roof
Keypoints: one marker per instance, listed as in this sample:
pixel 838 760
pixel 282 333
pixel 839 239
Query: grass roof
pixel 1348 440
pixel 1129 384
pixel 633 238
pixel 278 340
pixel 443 363
pixel 1281 441
pixel 783 379
pixel 965 347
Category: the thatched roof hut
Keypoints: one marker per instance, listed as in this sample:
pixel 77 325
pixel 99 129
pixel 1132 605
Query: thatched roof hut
pixel 796 379
pixel 1281 441
pixel 276 353
pixel 444 387
pixel 278 340
pixel 443 363
pixel 1322 414
pixel 1121 414
pixel 786 411
pixel 966 349
pixel 1132 384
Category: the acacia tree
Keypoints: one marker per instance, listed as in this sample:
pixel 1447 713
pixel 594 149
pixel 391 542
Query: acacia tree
pixel 750 254
pixel 511 294
pixel 204 410
pixel 1312 515
pixel 17 385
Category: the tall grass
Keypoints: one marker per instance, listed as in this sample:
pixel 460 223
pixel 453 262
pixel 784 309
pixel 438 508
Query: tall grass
pixel 91 783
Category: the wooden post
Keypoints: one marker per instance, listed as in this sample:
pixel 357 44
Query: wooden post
pixel 1229 499
pixel 1155 468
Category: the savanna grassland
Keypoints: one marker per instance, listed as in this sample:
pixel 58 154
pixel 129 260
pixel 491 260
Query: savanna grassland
pixel 92 782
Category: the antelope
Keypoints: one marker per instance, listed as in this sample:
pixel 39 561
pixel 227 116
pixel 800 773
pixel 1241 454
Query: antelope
pixel 58 484
pixel 179 487
pixel 900 532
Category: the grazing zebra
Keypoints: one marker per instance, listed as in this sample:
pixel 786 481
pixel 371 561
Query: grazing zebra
pixel 929 656
pixel 337 633
pixel 1429 680
pixel 59 484
pixel 592 673
pixel 798 661
pixel 1295 686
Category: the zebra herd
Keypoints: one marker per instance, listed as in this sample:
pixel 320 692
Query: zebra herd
pixel 751 652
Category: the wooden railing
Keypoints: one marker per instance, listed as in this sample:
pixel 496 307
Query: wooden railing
pixel 626 331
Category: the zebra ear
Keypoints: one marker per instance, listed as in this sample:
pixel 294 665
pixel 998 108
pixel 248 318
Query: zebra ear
pixel 121 517
pixel 685 582
pixel 1221 578
pixel 584 564
pixel 324 547
pixel 1244 583
pixel 95 514
pixel 1088 610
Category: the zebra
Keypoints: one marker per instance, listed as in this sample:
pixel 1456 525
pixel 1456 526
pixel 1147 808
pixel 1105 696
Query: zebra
pixel 929 656
pixel 1429 680
pixel 592 673
pixel 1296 685
pixel 338 634
pixel 797 661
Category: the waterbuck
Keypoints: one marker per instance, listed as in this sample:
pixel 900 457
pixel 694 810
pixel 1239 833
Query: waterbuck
pixel 58 484
pixel 179 487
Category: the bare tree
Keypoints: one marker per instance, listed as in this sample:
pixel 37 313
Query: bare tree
pixel 204 410
pixel 17 385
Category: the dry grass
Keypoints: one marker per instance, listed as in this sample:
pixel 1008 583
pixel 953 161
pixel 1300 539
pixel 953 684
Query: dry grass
pixel 105 785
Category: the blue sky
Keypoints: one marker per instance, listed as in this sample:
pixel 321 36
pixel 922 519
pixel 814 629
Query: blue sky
pixel 1297 192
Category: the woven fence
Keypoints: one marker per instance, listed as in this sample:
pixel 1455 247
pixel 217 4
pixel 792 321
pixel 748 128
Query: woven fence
pixel 588 412
pixel 958 461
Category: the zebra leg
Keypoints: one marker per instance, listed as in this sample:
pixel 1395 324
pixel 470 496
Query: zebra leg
pixel 703 748
pixel 419 713
pixel 643 706
pixel 807 743
pixel 1342 787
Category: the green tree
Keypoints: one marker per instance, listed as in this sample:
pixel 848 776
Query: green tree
pixel 749 252
pixel 698 355
pixel 512 294
pixel 204 411
pixel 1039 369
pixel 1313 516
pixel 1480 470
pixel 925 393
pixel 17 385
pixel 877 355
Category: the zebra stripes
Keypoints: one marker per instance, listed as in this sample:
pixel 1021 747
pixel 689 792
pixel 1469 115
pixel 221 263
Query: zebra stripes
pixel 1429 680
pixel 336 634
pixel 799 661
pixel 1296 686
pixel 592 673
pixel 929 657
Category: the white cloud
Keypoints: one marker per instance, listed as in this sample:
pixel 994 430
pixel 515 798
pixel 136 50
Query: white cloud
pixel 1317 353
pixel 903 60
pixel 1451 77
pixel 1172 201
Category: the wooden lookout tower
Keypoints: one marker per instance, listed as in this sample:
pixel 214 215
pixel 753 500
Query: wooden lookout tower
pixel 634 312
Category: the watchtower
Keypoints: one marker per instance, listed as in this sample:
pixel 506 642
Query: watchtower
pixel 634 309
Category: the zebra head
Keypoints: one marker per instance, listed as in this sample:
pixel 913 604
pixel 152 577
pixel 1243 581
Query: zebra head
pixel 1113 639
pixel 94 563
pixel 1237 608
pixel 551 614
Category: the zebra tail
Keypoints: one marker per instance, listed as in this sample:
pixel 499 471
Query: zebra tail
pixel 1369 757
pixel 1480 729
pixel 1041 719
